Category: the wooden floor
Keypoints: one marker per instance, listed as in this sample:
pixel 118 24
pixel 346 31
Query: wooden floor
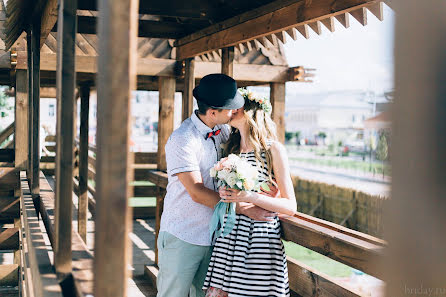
pixel 143 246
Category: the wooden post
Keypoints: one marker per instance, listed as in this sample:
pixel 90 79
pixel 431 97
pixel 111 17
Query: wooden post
pixel 21 120
pixel 35 52
pixel 277 96
pixel 117 25
pixel 83 163
pixel 415 216
pixel 165 128
pixel 227 61
pixel 165 117
pixel 65 80
pixel 189 82
pixel 30 105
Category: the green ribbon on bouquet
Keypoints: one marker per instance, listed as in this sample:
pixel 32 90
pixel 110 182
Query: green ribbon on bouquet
pixel 218 226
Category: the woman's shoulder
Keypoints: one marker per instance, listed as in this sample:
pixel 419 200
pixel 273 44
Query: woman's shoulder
pixel 276 148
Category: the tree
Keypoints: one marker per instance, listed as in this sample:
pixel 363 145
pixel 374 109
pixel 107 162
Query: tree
pixel 382 149
pixel 5 104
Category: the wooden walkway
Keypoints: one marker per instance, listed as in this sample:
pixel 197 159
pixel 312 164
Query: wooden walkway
pixel 143 246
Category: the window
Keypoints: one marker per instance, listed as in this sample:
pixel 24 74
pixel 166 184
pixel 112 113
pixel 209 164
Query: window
pixel 51 110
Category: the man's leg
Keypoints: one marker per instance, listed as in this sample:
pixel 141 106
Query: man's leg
pixel 178 263
pixel 198 281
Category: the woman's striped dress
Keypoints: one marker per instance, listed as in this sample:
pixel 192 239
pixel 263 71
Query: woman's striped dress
pixel 251 260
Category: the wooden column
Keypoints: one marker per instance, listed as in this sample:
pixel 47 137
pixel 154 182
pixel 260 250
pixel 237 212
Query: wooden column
pixel 30 104
pixel 65 80
pixel 83 163
pixel 227 61
pixel 415 217
pixel 165 128
pixel 189 83
pixel 35 52
pixel 117 25
pixel 21 120
pixel 277 96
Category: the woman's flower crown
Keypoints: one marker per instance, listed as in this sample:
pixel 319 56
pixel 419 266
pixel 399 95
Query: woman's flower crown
pixel 264 103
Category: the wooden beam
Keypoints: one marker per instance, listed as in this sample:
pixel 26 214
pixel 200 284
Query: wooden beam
pixel 9 239
pixel 303 30
pixel 416 259
pixel 146 28
pixel 269 19
pixel 316 27
pixel 305 281
pixel 83 163
pixel 189 83
pixel 29 68
pixel 227 61
pixel 167 68
pixel 360 15
pixel 360 251
pixel 39 276
pixel 35 152
pixel 49 18
pixel 21 120
pixel 116 81
pixel 194 9
pixel 66 78
pixel 329 23
pixel 344 19
pixel 377 9
pixel 165 128
pixel 9 275
pixel 165 117
pixel 277 95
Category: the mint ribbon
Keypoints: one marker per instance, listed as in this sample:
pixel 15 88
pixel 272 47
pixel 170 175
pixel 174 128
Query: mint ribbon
pixel 218 226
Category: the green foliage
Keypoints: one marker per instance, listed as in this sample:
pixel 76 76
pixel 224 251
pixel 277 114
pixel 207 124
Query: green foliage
pixel 288 135
pixel 382 148
pixel 5 104
pixel 322 135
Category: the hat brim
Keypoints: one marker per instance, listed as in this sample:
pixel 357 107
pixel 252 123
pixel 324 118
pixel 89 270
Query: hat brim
pixel 237 102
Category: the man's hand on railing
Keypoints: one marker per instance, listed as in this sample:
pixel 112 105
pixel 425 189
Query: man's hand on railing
pixel 254 212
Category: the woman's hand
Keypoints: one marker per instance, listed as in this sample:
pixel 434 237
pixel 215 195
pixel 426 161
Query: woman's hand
pixel 232 195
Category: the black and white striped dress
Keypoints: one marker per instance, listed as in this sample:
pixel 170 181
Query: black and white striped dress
pixel 251 260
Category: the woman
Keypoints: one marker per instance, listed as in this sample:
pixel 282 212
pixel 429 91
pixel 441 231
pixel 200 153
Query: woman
pixel 251 260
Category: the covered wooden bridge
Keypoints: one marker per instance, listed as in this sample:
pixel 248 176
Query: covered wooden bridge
pixel 97 46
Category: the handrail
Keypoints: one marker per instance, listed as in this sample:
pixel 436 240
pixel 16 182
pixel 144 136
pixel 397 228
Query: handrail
pixel 355 249
pixel 8 131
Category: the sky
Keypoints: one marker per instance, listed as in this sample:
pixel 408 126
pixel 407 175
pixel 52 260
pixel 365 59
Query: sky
pixel 356 58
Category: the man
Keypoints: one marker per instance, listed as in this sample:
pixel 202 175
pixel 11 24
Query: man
pixel 183 243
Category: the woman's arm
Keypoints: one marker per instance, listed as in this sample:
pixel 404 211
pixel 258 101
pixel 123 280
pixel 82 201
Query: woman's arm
pixel 286 204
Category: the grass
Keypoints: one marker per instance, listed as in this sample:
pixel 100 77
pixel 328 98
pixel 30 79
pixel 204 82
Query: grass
pixel 142 202
pixel 317 261
pixel 375 167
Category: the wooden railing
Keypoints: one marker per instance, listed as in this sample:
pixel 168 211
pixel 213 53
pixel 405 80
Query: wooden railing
pixel 355 249
pixel 8 131
pixel 143 163
pixel 39 277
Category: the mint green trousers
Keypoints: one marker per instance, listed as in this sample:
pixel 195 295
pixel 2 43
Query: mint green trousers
pixel 182 267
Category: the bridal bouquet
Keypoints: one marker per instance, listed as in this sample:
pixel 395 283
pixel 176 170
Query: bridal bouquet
pixel 236 173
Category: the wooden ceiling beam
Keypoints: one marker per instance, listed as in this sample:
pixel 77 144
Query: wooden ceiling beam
pixel 49 18
pixel 266 20
pixel 147 28
pixel 194 9
pixel 170 68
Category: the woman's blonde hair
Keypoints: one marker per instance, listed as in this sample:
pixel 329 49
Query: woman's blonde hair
pixel 262 130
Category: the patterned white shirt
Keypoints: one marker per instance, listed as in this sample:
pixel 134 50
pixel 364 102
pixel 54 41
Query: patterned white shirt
pixel 188 150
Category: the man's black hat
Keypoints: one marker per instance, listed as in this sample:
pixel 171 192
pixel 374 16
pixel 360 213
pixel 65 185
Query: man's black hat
pixel 219 91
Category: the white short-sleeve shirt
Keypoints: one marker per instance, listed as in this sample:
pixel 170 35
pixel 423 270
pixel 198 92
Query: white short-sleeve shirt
pixel 188 150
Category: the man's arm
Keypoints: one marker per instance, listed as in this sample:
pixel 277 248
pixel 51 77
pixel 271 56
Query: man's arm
pixel 254 212
pixel 193 182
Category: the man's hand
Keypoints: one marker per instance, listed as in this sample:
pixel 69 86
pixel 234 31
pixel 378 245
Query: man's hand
pixel 255 212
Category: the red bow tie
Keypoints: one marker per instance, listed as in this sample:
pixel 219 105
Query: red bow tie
pixel 213 133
